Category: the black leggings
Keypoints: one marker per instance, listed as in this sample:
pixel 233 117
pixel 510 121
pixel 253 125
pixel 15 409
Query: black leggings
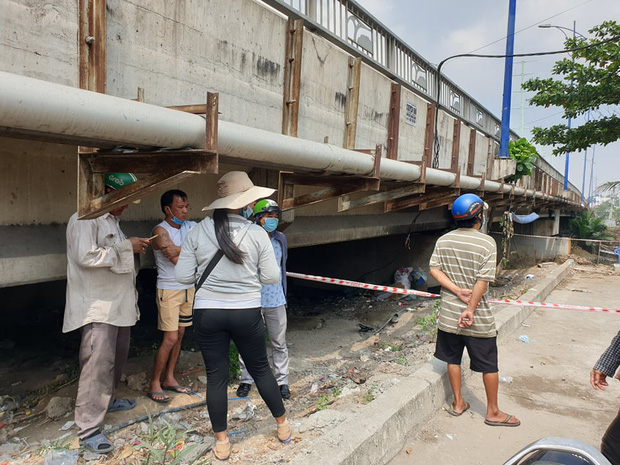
pixel 610 447
pixel 214 329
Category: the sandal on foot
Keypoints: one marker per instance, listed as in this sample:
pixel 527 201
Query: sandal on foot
pixel 284 432
pixel 454 413
pixel 121 404
pixel 158 397
pixel 177 388
pixel 98 443
pixel 222 449
pixel 506 422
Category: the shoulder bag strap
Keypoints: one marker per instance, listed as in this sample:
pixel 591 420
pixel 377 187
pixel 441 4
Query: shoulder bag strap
pixel 215 260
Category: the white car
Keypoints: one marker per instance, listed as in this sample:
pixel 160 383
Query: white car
pixel 563 451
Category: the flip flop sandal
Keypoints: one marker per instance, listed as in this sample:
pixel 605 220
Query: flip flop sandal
pixel 178 389
pixel 118 405
pixel 454 413
pixel 158 397
pixel 99 444
pixel 502 423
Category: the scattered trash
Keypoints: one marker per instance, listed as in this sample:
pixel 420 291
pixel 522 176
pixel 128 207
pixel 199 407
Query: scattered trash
pixel 246 414
pixel 67 426
pixel 505 379
pixel 449 436
pixel 409 451
pixel 364 328
pixel 526 325
pixel 202 379
pixel 314 387
pixel 529 276
pixel 387 349
pixel 61 457
pixel 524 338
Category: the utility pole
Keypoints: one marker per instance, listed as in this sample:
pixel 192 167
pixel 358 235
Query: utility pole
pixel 510 45
pixel 521 107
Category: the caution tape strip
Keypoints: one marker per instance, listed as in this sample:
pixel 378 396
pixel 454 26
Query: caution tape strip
pixel 398 290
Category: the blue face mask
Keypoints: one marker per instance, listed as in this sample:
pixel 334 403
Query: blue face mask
pixel 270 224
pixel 246 212
pixel 174 219
pixel 483 223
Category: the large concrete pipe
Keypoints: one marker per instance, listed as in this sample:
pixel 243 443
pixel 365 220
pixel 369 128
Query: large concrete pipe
pixel 31 107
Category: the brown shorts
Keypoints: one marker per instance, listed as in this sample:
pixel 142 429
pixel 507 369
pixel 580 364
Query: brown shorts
pixel 174 308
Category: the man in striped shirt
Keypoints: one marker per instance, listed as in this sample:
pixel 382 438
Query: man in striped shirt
pixel 463 263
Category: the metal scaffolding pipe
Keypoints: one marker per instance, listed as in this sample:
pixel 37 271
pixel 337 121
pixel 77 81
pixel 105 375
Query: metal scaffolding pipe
pixel 66 114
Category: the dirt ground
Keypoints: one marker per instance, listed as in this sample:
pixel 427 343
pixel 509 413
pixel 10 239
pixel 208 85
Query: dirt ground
pixel 335 369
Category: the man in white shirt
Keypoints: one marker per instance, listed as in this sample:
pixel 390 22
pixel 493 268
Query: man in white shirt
pixel 174 300
pixel 102 302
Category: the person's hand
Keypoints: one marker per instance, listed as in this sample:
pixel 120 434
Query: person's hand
pixel 171 251
pixel 464 295
pixel 139 244
pixel 598 380
pixel 466 319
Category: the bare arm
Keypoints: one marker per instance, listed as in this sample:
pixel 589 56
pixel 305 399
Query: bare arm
pixel 467 317
pixel 444 281
pixel 164 243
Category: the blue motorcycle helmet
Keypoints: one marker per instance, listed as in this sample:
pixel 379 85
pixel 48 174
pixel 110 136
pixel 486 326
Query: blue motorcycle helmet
pixel 467 206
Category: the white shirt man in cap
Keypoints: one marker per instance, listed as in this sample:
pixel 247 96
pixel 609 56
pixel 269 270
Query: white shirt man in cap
pixel 102 302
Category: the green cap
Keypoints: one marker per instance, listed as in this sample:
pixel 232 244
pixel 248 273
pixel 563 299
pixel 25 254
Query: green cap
pixel 118 180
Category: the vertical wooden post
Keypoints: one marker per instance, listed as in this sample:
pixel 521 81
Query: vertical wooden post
pixel 92 45
pixel 292 76
pixel 456 145
pixel 394 122
pixel 429 135
pixel 353 97
pixel 472 152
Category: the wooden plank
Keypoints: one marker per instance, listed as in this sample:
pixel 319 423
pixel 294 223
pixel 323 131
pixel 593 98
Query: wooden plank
pixel 429 135
pixel 447 200
pixel 352 102
pixel 92 45
pixel 198 109
pixel 394 122
pixel 212 112
pixel 429 196
pixel 198 162
pixel 472 152
pixel 292 76
pixel 329 193
pixel 345 203
pixel 456 145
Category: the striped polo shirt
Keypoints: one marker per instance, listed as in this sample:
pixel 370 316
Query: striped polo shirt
pixel 465 255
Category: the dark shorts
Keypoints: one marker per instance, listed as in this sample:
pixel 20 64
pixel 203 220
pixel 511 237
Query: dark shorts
pixel 482 351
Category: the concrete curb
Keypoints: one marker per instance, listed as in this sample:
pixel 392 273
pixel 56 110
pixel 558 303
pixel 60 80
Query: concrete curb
pixel 376 433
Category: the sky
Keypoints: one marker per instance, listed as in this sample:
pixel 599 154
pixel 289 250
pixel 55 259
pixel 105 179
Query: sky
pixel 441 28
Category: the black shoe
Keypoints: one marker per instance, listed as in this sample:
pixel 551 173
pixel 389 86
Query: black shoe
pixel 243 390
pixel 285 391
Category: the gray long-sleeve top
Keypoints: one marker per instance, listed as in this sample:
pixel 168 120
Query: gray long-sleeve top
pixel 228 281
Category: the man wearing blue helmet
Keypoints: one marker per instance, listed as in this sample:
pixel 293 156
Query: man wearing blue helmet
pixel 463 263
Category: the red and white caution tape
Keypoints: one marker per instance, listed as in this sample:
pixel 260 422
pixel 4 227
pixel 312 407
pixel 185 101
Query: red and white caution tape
pixel 398 290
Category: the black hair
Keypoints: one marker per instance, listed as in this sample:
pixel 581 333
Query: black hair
pixel 168 197
pixel 469 222
pixel 226 243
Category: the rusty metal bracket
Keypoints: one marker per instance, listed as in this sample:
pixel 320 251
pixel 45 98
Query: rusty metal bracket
pixel 164 168
pixel 433 197
pixel 334 185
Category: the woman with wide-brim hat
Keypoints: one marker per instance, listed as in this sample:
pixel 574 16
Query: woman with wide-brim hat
pixel 228 304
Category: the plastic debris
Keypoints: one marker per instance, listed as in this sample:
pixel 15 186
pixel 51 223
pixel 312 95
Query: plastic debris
pixel 61 457
pixel 67 426
pixel 449 436
pixel 529 276
pixel 524 338
pixel 505 379
pixel 314 387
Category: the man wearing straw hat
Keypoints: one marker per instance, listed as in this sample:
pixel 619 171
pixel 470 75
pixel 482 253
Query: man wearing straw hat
pixel 102 302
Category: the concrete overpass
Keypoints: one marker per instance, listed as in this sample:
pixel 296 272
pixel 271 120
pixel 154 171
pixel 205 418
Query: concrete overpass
pixel 325 104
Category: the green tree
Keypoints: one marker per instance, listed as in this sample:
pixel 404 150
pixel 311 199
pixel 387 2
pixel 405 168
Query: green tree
pixel 586 226
pixel 589 82
pixel 524 154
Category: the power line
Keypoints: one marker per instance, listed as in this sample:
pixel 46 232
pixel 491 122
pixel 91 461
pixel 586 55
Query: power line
pixel 532 25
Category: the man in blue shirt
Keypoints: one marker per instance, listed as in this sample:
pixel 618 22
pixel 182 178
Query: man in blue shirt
pixel 273 302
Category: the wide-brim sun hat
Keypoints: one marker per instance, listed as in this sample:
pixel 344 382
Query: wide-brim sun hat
pixel 236 190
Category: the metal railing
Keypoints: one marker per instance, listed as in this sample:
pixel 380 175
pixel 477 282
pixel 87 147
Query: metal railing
pixel 348 24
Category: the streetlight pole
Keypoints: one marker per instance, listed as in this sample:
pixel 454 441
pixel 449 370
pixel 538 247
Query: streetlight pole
pixel 568 123
pixel 510 45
